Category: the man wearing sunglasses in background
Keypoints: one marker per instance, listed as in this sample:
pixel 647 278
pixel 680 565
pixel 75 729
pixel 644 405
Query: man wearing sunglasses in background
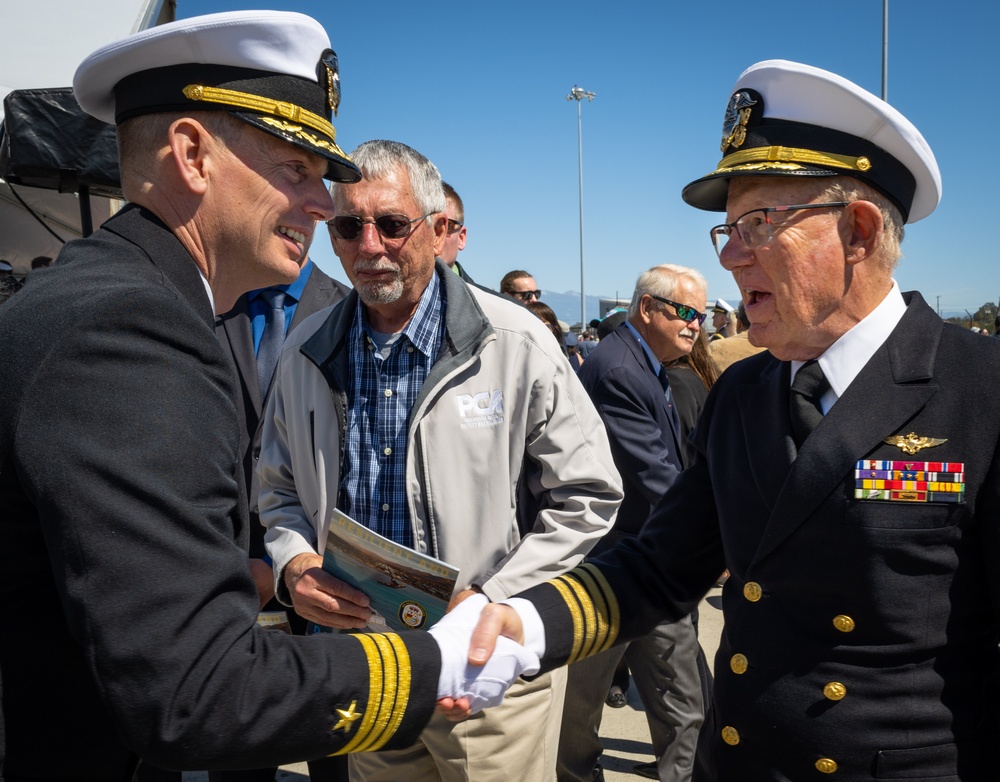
pixel 520 285
pixel 454 243
pixel 447 419
pixel 849 478
pixel 628 384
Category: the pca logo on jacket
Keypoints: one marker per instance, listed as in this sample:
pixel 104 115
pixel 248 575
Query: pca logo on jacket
pixel 481 410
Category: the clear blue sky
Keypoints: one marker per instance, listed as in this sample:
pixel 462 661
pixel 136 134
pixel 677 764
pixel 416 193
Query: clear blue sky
pixel 480 89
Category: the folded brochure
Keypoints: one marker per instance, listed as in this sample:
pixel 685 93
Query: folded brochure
pixel 408 590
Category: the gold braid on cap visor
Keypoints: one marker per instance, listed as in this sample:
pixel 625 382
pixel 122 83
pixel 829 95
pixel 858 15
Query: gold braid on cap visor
pixel 759 158
pixel 276 108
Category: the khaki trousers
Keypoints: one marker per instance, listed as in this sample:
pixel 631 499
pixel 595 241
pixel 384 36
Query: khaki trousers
pixel 514 741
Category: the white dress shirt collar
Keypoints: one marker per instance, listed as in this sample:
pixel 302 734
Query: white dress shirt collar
pixel 845 358
pixel 208 290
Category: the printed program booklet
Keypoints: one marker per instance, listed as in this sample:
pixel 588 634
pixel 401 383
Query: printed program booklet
pixel 408 590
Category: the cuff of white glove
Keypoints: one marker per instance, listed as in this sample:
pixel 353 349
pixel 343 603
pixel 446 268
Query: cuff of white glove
pixel 485 685
pixel 531 625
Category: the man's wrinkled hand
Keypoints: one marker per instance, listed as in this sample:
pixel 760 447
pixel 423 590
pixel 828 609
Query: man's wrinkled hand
pixel 464 688
pixel 323 599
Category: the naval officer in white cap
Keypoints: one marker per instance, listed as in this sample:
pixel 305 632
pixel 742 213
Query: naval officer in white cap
pixel 849 478
pixel 123 572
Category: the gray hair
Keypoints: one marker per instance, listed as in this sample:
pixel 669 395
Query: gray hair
pixel 849 189
pixel 662 281
pixel 378 158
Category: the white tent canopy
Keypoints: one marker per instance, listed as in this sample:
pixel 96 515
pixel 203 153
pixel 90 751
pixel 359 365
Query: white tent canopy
pixel 45 41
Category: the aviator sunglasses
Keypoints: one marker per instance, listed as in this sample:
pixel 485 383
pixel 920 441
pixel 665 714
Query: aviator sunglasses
pixel 684 312
pixel 349 227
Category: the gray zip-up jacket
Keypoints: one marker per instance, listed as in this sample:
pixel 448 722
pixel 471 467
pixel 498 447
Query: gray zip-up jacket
pixel 509 471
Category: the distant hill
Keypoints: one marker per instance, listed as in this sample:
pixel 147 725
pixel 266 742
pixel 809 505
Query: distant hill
pixel 566 305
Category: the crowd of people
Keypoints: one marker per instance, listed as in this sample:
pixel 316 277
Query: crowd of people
pixel 187 399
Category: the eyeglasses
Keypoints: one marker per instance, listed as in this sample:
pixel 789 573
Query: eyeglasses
pixel 349 227
pixel 755 227
pixel 454 226
pixel 527 295
pixel 684 312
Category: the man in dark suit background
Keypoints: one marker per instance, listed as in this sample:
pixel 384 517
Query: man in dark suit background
pixel 849 478
pixel 628 384
pixel 244 329
pixel 247 332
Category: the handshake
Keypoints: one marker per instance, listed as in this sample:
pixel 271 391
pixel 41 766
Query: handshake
pixel 480 658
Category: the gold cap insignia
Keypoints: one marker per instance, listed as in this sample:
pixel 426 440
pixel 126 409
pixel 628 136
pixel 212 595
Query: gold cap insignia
pixel 328 72
pixel 912 442
pixel 734 124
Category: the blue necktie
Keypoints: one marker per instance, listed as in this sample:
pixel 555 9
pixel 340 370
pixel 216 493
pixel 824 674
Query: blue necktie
pixel 272 339
pixel 669 396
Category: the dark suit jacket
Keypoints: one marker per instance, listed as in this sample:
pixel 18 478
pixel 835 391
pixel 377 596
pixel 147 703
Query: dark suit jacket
pixel 645 445
pixel 129 609
pixel 233 330
pixel 895 601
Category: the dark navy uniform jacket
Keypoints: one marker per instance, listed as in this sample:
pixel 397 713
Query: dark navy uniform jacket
pixel 129 609
pixel 860 638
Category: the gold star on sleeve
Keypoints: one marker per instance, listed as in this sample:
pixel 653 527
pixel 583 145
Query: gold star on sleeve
pixel 347 717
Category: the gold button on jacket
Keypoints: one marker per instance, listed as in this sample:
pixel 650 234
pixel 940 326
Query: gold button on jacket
pixel 730 735
pixel 835 691
pixel 826 766
pixel 752 591
pixel 843 623
pixel 739 663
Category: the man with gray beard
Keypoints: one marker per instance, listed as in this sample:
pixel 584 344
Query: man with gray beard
pixel 446 418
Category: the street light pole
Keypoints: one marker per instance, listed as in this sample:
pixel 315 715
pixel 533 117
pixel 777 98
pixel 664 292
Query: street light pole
pixel 885 50
pixel 578 94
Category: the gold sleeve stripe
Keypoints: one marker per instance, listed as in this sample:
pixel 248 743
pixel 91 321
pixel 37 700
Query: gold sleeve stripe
pixel 593 610
pixel 392 648
pixel 611 616
pixel 764 156
pixel 276 108
pixel 575 615
pixel 375 693
pixel 389 680
pixel 384 710
pixel 589 611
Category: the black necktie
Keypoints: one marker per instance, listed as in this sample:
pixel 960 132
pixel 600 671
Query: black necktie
pixel 272 339
pixel 803 404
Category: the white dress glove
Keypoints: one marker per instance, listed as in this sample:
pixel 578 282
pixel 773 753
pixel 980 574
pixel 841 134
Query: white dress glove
pixel 485 685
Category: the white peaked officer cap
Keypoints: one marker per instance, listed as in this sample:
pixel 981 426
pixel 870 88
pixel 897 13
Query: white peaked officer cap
pixel 274 70
pixel 788 119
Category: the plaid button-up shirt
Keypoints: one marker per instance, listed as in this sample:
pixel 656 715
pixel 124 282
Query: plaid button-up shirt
pixel 383 391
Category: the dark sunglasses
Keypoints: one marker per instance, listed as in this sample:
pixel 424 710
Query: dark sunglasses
pixel 453 226
pixel 528 295
pixel 349 227
pixel 684 312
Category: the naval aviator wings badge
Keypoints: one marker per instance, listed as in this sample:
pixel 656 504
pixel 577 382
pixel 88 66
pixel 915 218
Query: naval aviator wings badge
pixel 909 481
pixel 912 443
